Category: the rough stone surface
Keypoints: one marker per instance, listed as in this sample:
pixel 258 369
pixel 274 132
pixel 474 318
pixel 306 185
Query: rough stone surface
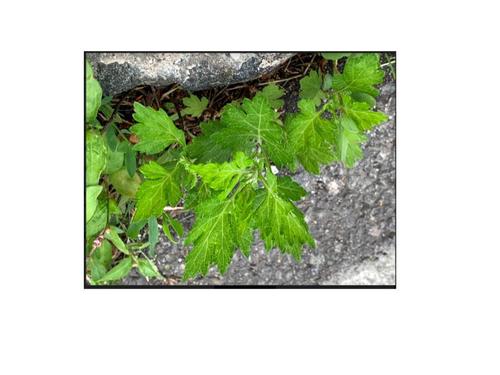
pixel 350 212
pixel 118 72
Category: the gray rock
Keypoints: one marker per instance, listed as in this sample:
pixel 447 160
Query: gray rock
pixel 118 72
pixel 351 215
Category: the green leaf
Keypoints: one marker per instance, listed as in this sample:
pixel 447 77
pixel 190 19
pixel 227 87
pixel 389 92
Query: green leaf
pixel 310 87
pixel 273 93
pixel 88 71
pixel 176 161
pixel 185 177
pixel 224 177
pixel 135 227
pixel 104 253
pixel 93 94
pixel 360 74
pixel 99 220
pixel 148 269
pixel 280 223
pixel 213 238
pixel 95 157
pixel 113 208
pixel 124 146
pixel 105 106
pixel 124 184
pixel 194 106
pixel 131 162
pixel 152 235
pixel 362 114
pixel 156 131
pixel 348 142
pixel 335 55
pixel 198 193
pixel 118 272
pixel 362 97
pixel 137 246
pixel 243 211
pixel 114 162
pixel 97 270
pixel 169 106
pixel 255 125
pixel 177 226
pixel 311 136
pixel 289 189
pixel 212 145
pixel 91 194
pixel 129 157
pixel 170 156
pixel 243 128
pixel 166 230
pixel 169 222
pixel 327 82
pixel 161 187
pixel 112 235
pixel 216 235
pixel 100 260
pixel 111 138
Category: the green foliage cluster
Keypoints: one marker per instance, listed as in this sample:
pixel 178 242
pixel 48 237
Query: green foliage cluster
pixel 225 175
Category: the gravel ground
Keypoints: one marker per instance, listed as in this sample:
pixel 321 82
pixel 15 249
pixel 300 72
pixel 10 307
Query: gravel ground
pixel 351 214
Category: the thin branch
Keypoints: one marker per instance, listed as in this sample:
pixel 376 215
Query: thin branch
pixel 168 208
pixel 216 96
pixel 387 63
pixel 309 65
pixel 236 87
pixel 164 96
pixel 280 80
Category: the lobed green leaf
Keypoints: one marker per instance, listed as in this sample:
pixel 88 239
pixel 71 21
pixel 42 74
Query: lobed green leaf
pixel 213 145
pixel 311 136
pixel 280 223
pixel 348 142
pixel 161 187
pixel 224 177
pixel 220 228
pixel 289 189
pixel 361 114
pixel 273 94
pixel 361 73
pixel 155 130
pixel 255 125
pixel 194 105
pixel 310 88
